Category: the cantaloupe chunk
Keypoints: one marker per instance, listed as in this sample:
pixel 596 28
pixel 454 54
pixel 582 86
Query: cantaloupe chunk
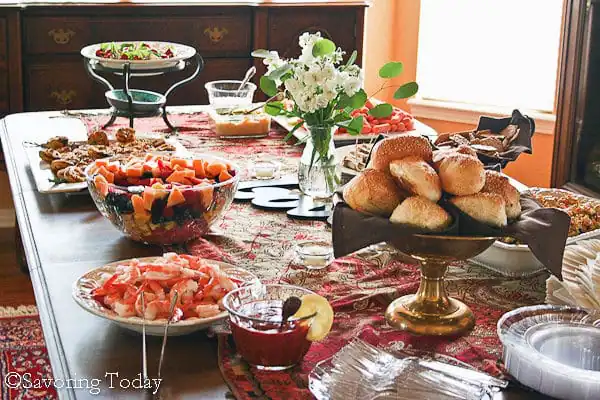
pixel 206 196
pixel 101 163
pixel 179 161
pixel 214 169
pixel 199 169
pixel 148 197
pixel 138 204
pixel 156 172
pixel 189 173
pixel 134 171
pixel 110 177
pixel 112 167
pixel 101 184
pixel 146 167
pixel 224 176
pixel 176 197
pixel 176 176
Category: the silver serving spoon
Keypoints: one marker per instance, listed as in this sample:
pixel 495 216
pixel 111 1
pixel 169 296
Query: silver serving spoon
pixel 249 75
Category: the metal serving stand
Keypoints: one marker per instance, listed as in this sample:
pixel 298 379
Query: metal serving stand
pixel 93 68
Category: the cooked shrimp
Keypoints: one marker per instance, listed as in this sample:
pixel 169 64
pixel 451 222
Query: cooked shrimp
pixel 207 310
pixel 157 309
pixel 124 309
pixel 200 287
pixel 160 272
pixel 185 288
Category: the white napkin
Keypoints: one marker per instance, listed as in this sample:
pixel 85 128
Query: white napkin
pixel 581 277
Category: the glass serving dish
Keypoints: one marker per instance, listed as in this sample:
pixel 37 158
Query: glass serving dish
pixel 255 316
pixel 146 214
pixel 553 349
pixel 225 94
pixel 239 124
pixel 362 371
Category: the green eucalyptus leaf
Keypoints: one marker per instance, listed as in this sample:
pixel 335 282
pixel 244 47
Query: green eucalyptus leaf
pixel 357 101
pixel 323 47
pixel 268 86
pixel 391 70
pixel 381 110
pixel 343 116
pixel 407 90
pixel 352 58
pixel 274 108
pixel 353 126
pixel 279 72
pixel 261 53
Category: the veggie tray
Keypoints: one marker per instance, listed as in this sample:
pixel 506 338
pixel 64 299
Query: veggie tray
pixel 139 55
pixel 398 123
pixel 46 180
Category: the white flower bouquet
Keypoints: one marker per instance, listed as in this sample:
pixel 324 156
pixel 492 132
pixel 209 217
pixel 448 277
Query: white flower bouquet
pixel 324 90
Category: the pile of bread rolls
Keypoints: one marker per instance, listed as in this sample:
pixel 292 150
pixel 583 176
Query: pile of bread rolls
pixel 407 179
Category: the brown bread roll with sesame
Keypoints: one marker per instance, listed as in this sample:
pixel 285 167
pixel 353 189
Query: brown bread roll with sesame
pixel 423 213
pixel 417 177
pixel 499 184
pixel 398 147
pixel 373 192
pixel 488 208
pixel 439 155
pixel 461 174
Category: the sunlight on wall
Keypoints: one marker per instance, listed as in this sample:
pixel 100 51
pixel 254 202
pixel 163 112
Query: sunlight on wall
pixel 392 29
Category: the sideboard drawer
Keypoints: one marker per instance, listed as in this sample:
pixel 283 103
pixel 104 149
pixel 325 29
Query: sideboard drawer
pixel 65 84
pixel 214 35
pixel 60 85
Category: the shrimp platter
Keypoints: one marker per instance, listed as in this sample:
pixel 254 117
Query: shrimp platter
pixel 115 290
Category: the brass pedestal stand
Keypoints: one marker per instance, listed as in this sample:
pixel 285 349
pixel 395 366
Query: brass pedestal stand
pixel 430 311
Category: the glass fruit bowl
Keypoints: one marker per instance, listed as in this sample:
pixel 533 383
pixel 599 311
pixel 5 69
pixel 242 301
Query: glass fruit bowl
pixel 162 199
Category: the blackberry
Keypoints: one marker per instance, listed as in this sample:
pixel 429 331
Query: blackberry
pixel 158 206
pixel 120 202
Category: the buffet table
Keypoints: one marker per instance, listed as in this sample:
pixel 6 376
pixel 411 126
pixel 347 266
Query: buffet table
pixel 64 236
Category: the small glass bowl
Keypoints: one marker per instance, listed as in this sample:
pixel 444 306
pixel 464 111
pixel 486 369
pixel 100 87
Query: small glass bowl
pixel 314 254
pixel 264 170
pixel 261 337
pixel 224 95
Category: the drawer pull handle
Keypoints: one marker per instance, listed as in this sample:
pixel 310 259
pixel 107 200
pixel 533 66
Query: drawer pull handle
pixel 63 97
pixel 216 34
pixel 61 36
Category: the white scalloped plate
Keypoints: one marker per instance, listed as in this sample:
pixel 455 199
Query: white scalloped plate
pixel 182 52
pixel 82 294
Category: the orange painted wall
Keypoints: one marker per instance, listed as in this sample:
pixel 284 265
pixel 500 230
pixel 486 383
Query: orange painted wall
pixel 392 31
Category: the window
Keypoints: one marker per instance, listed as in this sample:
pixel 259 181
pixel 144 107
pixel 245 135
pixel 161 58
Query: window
pixel 501 53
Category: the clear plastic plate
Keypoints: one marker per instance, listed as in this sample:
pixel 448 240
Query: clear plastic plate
pixel 553 349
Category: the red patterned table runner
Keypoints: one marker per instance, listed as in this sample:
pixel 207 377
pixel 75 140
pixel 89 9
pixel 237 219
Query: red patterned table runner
pixel 359 286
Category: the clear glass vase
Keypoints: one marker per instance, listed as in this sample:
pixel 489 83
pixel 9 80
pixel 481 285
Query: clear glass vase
pixel 319 172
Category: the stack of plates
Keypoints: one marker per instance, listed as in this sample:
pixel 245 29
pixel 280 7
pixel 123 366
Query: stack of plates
pixel 554 350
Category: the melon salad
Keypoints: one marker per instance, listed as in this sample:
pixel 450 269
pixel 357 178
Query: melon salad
pixel 162 199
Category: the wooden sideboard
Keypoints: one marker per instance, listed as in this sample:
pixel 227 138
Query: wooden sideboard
pixel 42 43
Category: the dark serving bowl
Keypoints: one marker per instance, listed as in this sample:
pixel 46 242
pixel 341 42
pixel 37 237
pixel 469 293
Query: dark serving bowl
pixel 144 101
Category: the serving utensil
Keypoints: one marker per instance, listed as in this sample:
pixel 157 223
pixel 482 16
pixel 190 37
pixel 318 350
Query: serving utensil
pixel 172 318
pixel 249 75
